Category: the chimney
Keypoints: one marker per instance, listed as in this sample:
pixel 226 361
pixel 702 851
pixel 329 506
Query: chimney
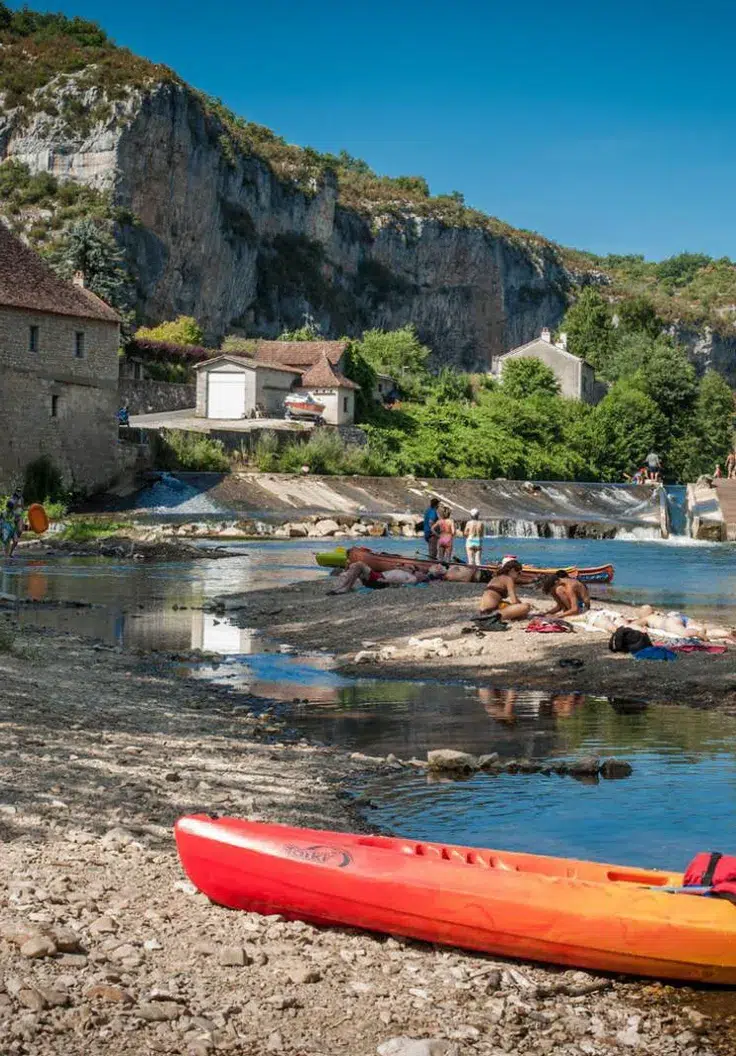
pixel 562 341
pixel 78 278
pixel 546 335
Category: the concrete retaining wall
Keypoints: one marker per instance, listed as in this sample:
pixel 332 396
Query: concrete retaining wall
pixel 150 397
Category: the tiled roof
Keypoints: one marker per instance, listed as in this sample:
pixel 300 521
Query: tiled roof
pixel 323 376
pixel 243 361
pixel 299 353
pixel 27 282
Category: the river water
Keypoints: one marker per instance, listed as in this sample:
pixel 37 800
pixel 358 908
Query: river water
pixel 679 799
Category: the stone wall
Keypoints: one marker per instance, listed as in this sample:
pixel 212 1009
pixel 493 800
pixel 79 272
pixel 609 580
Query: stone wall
pixel 54 403
pixel 149 397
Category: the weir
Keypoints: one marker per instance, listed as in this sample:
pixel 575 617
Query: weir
pixel 511 508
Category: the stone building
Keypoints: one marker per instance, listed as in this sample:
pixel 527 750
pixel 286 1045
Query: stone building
pixel 576 377
pixel 234 387
pixel 58 372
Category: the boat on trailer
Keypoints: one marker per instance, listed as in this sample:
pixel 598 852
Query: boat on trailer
pixel 382 562
pixel 606 918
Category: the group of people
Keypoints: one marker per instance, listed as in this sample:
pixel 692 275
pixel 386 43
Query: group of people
pixel 730 468
pixel 11 523
pixel 439 533
pixel 649 473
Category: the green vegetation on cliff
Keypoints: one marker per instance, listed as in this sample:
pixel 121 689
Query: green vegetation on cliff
pixel 49 60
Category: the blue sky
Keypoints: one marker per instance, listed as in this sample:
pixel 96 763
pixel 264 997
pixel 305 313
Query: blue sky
pixel 609 127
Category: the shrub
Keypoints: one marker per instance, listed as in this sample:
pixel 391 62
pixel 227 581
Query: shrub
pixel 196 452
pixel 266 454
pixel 184 330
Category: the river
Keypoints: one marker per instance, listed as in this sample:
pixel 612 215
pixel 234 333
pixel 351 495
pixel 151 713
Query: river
pixel 680 797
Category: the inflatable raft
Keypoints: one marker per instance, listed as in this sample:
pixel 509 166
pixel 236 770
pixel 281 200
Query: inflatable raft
pixel 382 562
pixel 603 917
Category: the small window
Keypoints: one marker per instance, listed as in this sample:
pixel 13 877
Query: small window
pixel 345 404
pixel 33 339
pixel 79 344
pixel 137 371
pixel 54 406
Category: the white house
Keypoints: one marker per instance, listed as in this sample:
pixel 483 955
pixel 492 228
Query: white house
pixel 233 387
pixel 576 377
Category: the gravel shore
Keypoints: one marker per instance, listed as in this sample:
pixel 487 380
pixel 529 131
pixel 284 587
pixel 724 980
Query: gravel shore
pixel 416 632
pixel 106 948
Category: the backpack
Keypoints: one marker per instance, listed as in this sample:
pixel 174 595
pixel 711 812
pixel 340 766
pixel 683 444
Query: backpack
pixel 714 870
pixel 628 640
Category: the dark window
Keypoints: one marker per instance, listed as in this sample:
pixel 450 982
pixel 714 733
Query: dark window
pixel 345 404
pixel 33 339
pixel 137 371
pixel 79 344
pixel 54 406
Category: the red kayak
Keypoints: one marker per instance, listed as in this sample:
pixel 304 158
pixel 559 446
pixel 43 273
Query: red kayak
pixel 382 562
pixel 603 917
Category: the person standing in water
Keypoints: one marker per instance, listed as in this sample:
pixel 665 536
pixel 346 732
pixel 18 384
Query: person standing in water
pixel 430 519
pixel 444 529
pixel 474 532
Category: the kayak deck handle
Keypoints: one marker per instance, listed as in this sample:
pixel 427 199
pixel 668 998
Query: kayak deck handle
pixel 624 876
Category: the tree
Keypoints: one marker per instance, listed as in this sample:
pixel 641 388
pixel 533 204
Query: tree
pixel 589 329
pixel 89 247
pixel 713 433
pixel 358 369
pixel 637 315
pixel 680 269
pixel 522 378
pixel 398 353
pixel 624 426
pixel 184 330
pixel 668 378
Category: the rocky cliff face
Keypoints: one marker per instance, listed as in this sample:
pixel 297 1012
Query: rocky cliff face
pixel 219 236
pixel 709 350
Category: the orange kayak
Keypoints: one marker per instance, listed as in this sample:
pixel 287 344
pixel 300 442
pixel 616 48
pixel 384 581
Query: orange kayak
pixel 382 562
pixel 603 917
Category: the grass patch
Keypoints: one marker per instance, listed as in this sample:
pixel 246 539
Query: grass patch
pixel 89 529
pixel 196 452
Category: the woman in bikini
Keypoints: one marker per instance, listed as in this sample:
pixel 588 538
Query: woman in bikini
pixel 500 593
pixel 445 529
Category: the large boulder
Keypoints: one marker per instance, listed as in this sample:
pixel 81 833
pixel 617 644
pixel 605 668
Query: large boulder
pixel 614 769
pixel 297 530
pixel 324 528
pixel 377 529
pixel 450 760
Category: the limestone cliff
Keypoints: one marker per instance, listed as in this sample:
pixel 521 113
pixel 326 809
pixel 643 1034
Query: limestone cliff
pixel 219 234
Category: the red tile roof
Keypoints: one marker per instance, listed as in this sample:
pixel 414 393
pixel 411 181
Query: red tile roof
pixel 27 282
pixel 244 361
pixel 323 376
pixel 299 353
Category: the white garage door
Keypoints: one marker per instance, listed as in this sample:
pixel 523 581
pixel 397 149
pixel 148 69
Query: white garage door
pixel 225 395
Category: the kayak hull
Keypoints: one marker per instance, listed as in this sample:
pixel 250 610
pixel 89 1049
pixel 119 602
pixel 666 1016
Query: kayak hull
pixel 583 914
pixel 382 562
pixel 337 558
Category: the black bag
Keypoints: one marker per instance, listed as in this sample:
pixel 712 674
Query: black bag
pixel 628 640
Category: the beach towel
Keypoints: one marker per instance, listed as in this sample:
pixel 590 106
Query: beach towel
pixel 542 625
pixel 654 652
pixel 695 647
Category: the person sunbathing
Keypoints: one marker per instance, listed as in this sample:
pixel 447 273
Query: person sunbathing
pixel 500 594
pixel 674 624
pixel 360 573
pixel 571 597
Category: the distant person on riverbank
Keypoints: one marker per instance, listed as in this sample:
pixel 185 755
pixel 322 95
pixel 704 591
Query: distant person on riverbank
pixel 654 466
pixel 474 532
pixel 430 519
pixel 444 529
pixel 640 476
pixel 718 472
pixel 571 597
pixel 500 593
pixel 731 465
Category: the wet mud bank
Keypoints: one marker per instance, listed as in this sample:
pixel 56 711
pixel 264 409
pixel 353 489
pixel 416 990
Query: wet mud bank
pixel 106 948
